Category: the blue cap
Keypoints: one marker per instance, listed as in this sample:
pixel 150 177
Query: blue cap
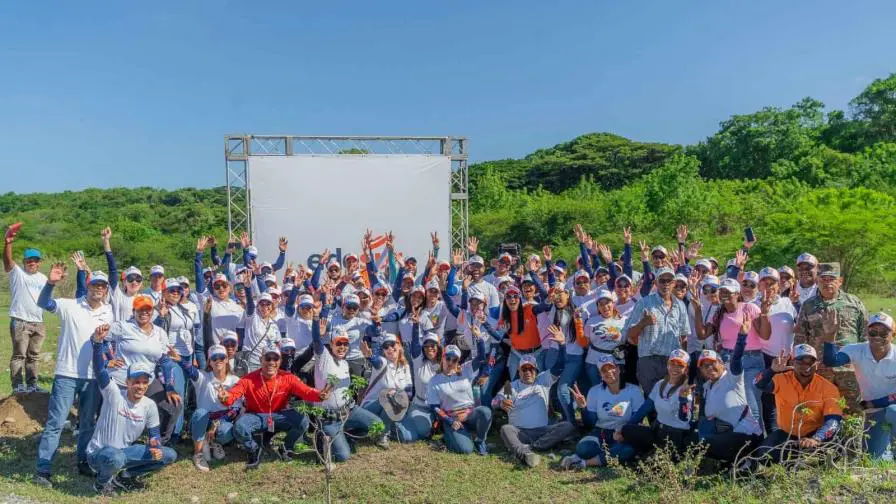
pixel 32 253
pixel 139 369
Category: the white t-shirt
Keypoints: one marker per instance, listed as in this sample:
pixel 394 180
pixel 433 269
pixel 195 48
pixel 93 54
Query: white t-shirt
pixel 604 334
pixel 122 304
pixel 299 330
pixel 438 316
pixel 424 370
pixel 726 399
pixel 625 309
pixel 807 293
pixel 452 392
pixel 782 317
pixel 355 328
pixel 707 312
pixel 667 406
pixel 207 387
pixel 134 346
pixel 530 402
pixel 77 322
pixel 406 329
pixel 180 331
pixel 24 290
pixel 225 316
pixel 394 378
pixel 258 329
pixel 876 378
pixel 324 366
pixel 122 422
pixel 493 299
pixel 614 410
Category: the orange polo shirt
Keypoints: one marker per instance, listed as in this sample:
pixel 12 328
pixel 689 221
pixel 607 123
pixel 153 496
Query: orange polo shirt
pixel 801 410
pixel 530 338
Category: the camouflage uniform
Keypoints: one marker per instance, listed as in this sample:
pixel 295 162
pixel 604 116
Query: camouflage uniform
pixel 852 318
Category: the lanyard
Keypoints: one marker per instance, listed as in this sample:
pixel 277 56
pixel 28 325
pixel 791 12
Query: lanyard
pixel 271 395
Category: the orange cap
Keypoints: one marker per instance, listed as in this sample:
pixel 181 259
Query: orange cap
pixel 143 302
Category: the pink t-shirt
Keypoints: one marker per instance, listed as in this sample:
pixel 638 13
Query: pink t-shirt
pixel 731 322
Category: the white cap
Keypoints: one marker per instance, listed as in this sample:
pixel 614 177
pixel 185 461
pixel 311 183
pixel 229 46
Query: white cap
pixel 97 277
pixel 505 255
pixel 452 350
pixel 681 356
pixel 266 265
pixel 681 278
pixel 132 270
pixel 528 360
pixel 252 251
pixel 881 318
pixel 786 269
pixel 504 279
pixel 217 350
pixel 306 300
pixel 480 296
pixel 750 276
pixel 581 274
pixel 659 248
pixel 182 280
pixel 139 369
pixel 274 290
pixel 229 335
pixel 624 277
pixel 417 289
pixel 220 277
pixel 430 336
pixel 803 350
pixel 265 297
pixel 433 284
pixel 807 258
pixel 157 270
pixel 333 262
pixel 768 273
pixel 730 285
pixel 271 348
pixel 710 280
pixel 270 278
pixel 664 271
pixel 390 338
pixel 605 294
pixel 703 262
pixel 351 299
pixel 286 343
pixel 476 259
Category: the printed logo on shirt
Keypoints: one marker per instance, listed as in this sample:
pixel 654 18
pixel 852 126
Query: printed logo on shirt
pixel 130 415
pixel 616 410
pixel 606 332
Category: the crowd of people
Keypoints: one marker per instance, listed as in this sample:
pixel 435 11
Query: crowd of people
pixel 687 350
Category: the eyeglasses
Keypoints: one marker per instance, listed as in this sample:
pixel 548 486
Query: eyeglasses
pixel 664 281
pixel 133 279
pixel 340 343
pixel 272 358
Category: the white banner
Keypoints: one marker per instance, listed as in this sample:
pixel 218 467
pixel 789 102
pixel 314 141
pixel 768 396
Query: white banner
pixel 320 202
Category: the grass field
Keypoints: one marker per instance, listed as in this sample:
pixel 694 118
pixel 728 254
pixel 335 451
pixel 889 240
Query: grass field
pixel 419 473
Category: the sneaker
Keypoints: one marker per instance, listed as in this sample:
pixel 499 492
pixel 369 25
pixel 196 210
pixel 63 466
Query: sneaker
pixel 532 459
pixel 285 454
pixel 481 447
pixel 206 451
pixel 254 458
pixel 383 442
pixel 35 388
pixel 127 483
pixel 217 451
pixel 199 462
pixel 20 389
pixel 42 479
pixel 84 469
pixel 106 489
pixel 572 462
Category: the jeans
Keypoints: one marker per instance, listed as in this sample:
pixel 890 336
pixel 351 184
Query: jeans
pixel 495 376
pixel 294 423
pixel 651 369
pixel 136 459
pixel 753 363
pixel 377 409
pixel 199 427
pixel 357 425
pixel 592 446
pixel 416 425
pixel 459 441
pixel 513 361
pixel 570 375
pixel 769 408
pixel 168 411
pixel 521 441
pixel 61 399
pixel 547 358
pixel 180 386
pixel 882 434
pixel 27 341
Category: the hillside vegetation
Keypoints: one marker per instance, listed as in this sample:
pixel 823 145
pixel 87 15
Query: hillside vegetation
pixel 803 177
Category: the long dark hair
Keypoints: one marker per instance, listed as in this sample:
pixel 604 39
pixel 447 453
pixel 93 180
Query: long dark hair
pixel 520 319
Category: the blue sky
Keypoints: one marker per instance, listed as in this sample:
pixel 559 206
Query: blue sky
pixel 142 93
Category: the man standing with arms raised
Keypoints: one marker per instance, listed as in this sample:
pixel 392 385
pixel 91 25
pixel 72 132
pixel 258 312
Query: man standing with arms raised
pixel 26 321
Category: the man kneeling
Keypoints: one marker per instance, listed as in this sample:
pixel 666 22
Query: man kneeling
pixel 123 417
pixel 527 409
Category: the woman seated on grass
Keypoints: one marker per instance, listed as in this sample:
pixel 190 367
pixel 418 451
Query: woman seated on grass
pixel 212 423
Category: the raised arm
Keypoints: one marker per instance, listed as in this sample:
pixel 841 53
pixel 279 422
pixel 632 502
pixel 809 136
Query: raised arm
pixel 45 299
pixel 8 262
pixel 737 356
pixel 290 308
pixel 833 357
pixel 416 347
pixel 99 360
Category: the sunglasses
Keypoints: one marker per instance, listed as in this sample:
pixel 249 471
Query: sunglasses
pixel 664 281
pixel 340 344
pixel 230 345
pixel 272 358
pixel 877 333
pixel 133 279
pixel 216 358
pixel 748 285
pixel 351 307
pixel 220 286
pixel 512 296
pixel 239 288
pixel 389 345
pixel 709 289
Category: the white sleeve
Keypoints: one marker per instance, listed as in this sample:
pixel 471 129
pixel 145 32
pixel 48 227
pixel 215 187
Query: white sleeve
pixel 152 415
pixel 432 393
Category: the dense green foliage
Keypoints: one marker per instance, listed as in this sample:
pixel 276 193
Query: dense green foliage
pixel 803 178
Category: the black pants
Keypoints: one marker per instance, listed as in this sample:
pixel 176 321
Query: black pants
pixel 770 448
pixel 644 439
pixel 168 412
pixel 769 408
pixel 726 446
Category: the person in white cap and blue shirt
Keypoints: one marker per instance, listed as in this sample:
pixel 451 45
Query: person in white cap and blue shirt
pixel 392 376
pixel 807 275
pixel 874 362
pixel 26 322
pixel 475 268
pixel 78 319
pixel 426 360
pixel 780 314
pixel 211 425
pixel 156 282
pixel 125 415
pixel 657 325
pixel 529 428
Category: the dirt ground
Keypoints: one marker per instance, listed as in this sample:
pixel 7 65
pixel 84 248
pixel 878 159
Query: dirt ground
pixel 24 414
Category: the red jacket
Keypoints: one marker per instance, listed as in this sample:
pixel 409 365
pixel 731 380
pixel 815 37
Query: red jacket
pixel 270 396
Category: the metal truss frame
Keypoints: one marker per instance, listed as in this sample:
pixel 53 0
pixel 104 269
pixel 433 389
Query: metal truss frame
pixel 238 149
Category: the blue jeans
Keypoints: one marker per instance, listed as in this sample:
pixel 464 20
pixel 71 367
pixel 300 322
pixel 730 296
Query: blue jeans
pixel 753 364
pixel 547 358
pixel 357 425
pixel 592 446
pixel 479 421
pixel 180 386
pixel 199 427
pixel 513 362
pixel 377 409
pixel 294 423
pixel 136 459
pixel 61 399
pixel 494 377
pixel 570 375
pixel 882 434
pixel 416 425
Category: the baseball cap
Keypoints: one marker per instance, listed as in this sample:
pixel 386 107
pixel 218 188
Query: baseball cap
pixel 133 270
pixel 804 350
pixel 505 257
pixel 32 253
pixel 829 269
pixel 730 285
pixel 711 280
pixel 411 259
pixel 479 296
pixel 341 335
pixel 444 265
pixel 750 276
pixel 680 356
pixel 624 277
pixel 271 348
pixel 713 260
pixel 357 275
pixel 605 294
pixel 138 369
pixel 390 338
pixel 350 300
pixel 267 265
pixel 252 251
pixel 417 289
pixel 601 270
pixel 274 291
pixel 606 360
pixel 806 258
pixel 786 269
pixel 333 262
pixel 581 274
pixel 452 351
pixel 349 256
pixel 503 279
pixel 265 297
pixel 768 273
pixel 681 278
pixel 287 343
pixel 157 270
pixel 881 318
pixel 229 335
pixel 664 271
pixel 270 278
pixel 183 280
pixel 708 355
pixel 560 268
pixel 433 284
pixel 220 277
pixel 217 350
pixel 430 337
pixel 306 301
pixel 476 259
pixel 528 360
pixel 98 277
pixel 512 289
pixel 142 302
pixel 704 262
pixel 659 248
pixel 207 269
